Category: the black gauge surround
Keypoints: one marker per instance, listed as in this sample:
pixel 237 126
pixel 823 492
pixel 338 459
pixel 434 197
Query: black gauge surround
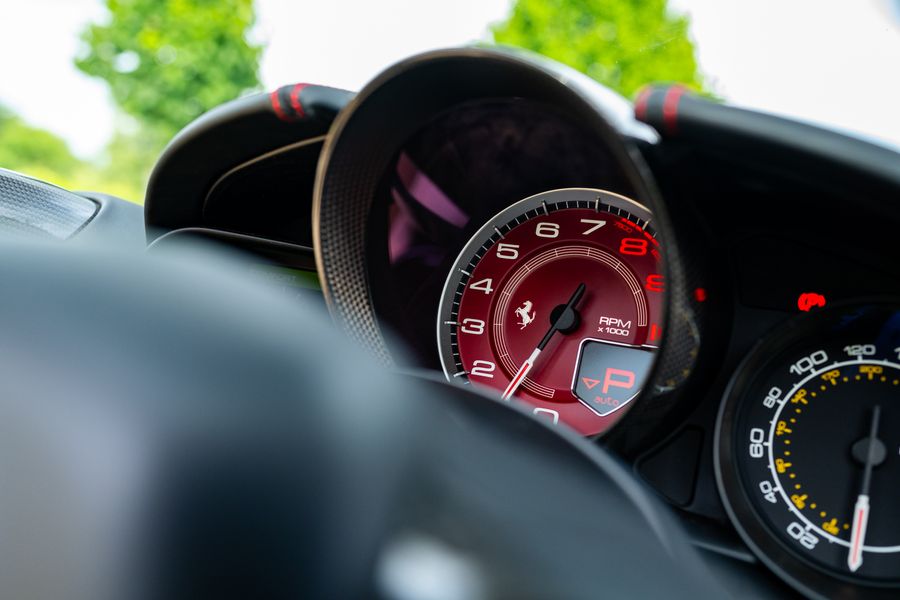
pixel 369 137
pixel 380 121
pixel 793 441
pixel 462 168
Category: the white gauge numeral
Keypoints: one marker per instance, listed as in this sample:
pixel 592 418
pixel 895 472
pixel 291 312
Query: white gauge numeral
pixel 483 368
pixel 473 326
pixel 757 436
pixel 772 399
pixel 483 285
pixel 799 533
pixel 596 225
pixel 547 230
pixel 807 363
pixel 860 350
pixel 507 251
pixel 768 491
pixel 547 413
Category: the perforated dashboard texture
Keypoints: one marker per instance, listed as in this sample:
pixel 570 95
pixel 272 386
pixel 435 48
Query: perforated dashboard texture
pixel 347 292
pixel 30 208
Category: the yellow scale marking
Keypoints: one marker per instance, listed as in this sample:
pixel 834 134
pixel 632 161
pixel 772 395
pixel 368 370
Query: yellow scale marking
pixel 783 466
pixel 781 428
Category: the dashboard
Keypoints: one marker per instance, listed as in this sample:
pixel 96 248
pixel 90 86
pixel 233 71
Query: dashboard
pixel 712 294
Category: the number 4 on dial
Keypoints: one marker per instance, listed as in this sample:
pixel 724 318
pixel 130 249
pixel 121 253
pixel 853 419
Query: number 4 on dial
pixel 483 285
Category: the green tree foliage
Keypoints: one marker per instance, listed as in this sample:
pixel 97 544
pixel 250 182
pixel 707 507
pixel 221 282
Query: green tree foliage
pixel 624 44
pixel 168 61
pixel 24 148
pixel 43 155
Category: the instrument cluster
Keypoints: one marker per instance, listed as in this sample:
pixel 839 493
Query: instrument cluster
pixel 708 292
pixel 705 291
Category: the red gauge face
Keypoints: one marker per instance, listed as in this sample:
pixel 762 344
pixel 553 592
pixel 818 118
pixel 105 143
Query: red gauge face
pixel 557 302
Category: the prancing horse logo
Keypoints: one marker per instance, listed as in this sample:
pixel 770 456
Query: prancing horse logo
pixel 525 314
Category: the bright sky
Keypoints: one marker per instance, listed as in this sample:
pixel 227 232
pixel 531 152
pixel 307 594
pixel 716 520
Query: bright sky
pixel 828 61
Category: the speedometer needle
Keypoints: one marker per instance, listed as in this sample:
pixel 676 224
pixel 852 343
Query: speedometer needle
pixel 564 322
pixel 861 510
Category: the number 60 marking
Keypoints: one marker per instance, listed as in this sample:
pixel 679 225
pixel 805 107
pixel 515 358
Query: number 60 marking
pixel 757 437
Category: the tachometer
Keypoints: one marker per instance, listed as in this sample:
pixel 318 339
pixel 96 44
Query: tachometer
pixel 557 301
pixel 807 452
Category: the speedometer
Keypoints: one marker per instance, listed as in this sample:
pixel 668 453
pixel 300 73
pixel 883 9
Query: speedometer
pixel 807 451
pixel 557 301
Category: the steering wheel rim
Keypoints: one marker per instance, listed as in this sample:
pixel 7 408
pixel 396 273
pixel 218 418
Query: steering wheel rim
pixel 248 461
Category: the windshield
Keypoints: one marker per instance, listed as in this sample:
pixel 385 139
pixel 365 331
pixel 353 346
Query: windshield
pixel 91 90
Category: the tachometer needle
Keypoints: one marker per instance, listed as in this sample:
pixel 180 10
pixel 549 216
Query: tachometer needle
pixel 861 510
pixel 520 375
pixel 565 321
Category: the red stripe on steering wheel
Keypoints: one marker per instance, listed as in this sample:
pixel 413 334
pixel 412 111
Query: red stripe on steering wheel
pixel 670 107
pixel 276 106
pixel 295 100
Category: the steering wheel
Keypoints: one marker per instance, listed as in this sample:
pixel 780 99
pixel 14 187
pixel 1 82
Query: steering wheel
pixel 170 429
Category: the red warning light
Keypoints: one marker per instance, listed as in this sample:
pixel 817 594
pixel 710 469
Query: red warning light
pixel 700 294
pixel 809 300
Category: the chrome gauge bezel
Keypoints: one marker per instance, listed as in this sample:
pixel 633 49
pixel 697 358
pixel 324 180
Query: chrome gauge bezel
pixel 491 232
